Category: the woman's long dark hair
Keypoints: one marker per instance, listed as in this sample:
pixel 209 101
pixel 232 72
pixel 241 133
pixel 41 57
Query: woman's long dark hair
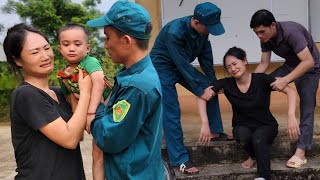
pixel 13 45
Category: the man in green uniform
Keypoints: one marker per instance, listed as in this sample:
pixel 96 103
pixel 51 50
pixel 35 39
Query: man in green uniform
pixel 129 128
pixel 178 44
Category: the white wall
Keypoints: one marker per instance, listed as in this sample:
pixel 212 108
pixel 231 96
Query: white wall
pixel 315 19
pixel 236 17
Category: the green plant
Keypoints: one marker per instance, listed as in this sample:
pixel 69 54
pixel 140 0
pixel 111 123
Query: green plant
pixel 7 79
pixel 5 105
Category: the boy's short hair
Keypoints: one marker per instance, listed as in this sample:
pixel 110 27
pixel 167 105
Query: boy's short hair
pixel 74 26
pixel 127 17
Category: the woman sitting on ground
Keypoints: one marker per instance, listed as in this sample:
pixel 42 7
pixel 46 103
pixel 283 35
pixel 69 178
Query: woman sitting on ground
pixel 254 127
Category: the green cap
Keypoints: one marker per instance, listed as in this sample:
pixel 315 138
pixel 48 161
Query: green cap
pixel 126 16
pixel 209 15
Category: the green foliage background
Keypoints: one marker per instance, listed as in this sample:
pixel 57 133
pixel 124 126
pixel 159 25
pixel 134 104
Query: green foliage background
pixel 49 16
pixel 7 84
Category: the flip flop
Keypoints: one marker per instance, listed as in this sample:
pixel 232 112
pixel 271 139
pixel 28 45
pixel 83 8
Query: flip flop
pixel 295 162
pixel 184 167
pixel 222 137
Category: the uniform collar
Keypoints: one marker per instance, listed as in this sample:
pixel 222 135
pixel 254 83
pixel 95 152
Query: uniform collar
pixel 125 74
pixel 193 33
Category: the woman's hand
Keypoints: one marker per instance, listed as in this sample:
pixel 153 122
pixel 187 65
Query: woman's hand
pixel 205 134
pixel 293 127
pixel 85 83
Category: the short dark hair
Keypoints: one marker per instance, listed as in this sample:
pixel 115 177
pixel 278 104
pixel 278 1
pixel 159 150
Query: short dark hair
pixel 262 17
pixel 141 43
pixel 13 45
pixel 74 26
pixel 235 52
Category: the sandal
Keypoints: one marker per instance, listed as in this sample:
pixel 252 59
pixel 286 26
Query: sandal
pixel 296 162
pixel 186 167
pixel 222 137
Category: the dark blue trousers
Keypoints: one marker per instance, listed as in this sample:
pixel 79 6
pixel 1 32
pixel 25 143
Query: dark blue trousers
pixel 173 133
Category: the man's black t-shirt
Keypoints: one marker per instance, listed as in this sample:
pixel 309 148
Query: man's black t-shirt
pixel 38 157
pixel 250 109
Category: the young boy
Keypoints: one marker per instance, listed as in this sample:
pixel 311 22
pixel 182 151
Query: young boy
pixel 74 47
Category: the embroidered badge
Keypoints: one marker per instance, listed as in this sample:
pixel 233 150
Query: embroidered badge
pixel 120 110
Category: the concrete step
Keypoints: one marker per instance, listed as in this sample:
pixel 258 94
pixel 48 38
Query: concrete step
pixel 231 151
pixel 234 171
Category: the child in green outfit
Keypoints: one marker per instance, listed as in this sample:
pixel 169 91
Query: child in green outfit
pixel 74 47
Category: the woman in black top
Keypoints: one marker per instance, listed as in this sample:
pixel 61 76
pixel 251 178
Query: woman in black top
pixel 45 133
pixel 254 127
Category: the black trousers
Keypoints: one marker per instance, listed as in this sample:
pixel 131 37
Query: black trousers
pixel 257 142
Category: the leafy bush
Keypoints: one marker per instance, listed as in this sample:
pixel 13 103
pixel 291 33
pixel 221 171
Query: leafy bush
pixel 7 84
pixel 5 105
pixel 7 79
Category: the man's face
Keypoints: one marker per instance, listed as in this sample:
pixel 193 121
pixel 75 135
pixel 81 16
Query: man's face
pixel 265 33
pixel 201 28
pixel 114 44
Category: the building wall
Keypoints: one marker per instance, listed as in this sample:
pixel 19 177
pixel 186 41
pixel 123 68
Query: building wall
pixel 154 9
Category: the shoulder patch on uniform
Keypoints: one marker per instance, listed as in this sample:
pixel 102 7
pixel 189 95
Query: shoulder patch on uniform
pixel 120 110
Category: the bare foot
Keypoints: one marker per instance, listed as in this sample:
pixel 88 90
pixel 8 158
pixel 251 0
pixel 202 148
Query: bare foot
pixel 192 170
pixel 300 153
pixel 298 159
pixel 248 163
pixel 188 168
pixel 220 137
